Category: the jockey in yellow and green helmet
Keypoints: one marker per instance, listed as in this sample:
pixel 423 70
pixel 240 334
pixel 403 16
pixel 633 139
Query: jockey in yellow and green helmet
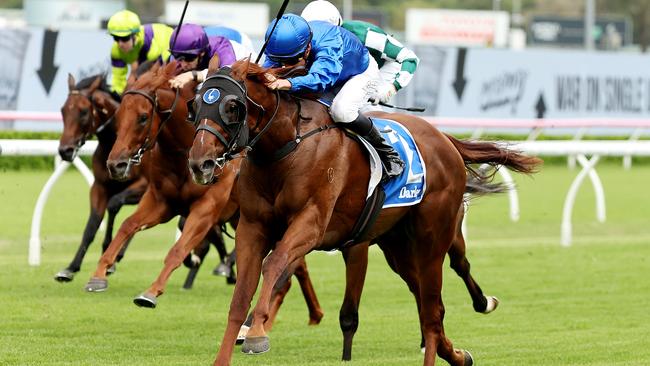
pixel 135 44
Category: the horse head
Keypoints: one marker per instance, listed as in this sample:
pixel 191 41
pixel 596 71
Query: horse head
pixel 87 108
pixel 146 105
pixel 234 107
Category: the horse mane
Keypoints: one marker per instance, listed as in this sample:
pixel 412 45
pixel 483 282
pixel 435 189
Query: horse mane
pixel 144 67
pixel 155 78
pixel 86 82
pixel 256 72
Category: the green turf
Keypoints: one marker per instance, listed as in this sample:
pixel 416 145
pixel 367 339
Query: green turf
pixel 583 305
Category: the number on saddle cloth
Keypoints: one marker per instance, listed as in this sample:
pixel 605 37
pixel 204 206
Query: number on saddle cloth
pixel 408 188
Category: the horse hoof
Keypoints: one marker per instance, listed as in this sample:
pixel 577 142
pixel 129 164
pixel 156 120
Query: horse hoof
pixel 111 270
pixel 492 303
pixel 146 300
pixel 469 360
pixel 97 284
pixel 231 280
pixel 242 334
pixel 256 345
pixel 64 275
pixel 222 270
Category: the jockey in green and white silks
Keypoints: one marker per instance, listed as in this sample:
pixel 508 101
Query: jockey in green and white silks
pixel 397 63
pixel 135 44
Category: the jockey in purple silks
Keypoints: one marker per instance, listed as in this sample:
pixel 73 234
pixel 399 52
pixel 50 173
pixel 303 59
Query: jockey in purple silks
pixel 194 49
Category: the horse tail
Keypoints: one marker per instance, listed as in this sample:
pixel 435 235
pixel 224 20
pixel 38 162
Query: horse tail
pixel 479 185
pixel 484 152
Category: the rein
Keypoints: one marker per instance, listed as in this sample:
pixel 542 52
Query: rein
pixel 148 142
pixel 291 145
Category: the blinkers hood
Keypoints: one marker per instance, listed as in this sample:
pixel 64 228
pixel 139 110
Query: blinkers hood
pixel 223 99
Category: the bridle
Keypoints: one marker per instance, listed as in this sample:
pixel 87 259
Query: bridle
pixel 247 146
pixel 148 141
pixel 90 117
pixel 232 145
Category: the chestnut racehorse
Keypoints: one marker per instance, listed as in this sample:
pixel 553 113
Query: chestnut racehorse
pixel 88 111
pixel 152 119
pixel 306 184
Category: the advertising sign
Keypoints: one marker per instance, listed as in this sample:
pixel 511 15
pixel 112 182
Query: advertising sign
pixel 457 27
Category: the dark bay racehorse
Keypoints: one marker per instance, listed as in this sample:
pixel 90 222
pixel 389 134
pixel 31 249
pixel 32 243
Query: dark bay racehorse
pixel 152 118
pixel 86 112
pixel 306 184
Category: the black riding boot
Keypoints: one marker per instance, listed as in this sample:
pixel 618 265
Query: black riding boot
pixel 393 164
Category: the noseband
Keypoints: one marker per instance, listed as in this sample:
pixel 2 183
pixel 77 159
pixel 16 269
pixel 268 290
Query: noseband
pixel 149 142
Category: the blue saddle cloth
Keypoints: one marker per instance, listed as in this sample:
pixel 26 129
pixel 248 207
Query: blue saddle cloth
pixel 407 188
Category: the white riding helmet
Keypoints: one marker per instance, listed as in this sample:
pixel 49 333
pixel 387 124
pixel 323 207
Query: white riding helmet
pixel 322 10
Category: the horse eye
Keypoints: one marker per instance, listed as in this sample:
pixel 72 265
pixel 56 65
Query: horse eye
pixel 142 119
pixel 83 111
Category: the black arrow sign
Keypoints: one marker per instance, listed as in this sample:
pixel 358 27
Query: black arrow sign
pixel 540 106
pixel 47 71
pixel 460 81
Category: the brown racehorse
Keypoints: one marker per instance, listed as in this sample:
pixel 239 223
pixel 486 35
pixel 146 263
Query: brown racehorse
pixel 87 111
pixel 306 184
pixel 152 117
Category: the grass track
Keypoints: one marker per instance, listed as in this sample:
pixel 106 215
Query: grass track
pixel 584 305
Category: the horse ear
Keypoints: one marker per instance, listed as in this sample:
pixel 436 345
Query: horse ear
pixel 170 67
pixel 155 67
pixel 215 63
pixel 71 82
pixel 96 84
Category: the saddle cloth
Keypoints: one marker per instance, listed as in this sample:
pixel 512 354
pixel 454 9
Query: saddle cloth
pixel 407 188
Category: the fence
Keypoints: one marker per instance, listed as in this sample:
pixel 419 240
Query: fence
pixel 586 153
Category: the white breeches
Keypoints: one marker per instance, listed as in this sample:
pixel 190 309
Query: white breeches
pixel 355 93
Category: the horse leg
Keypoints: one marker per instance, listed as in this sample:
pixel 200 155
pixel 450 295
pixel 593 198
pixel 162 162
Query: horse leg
pixel 115 203
pixel 226 263
pixel 98 201
pixel 252 245
pixel 302 274
pixel 199 221
pixel 459 263
pixel 193 261
pixel 304 232
pixel 435 228
pixel 299 269
pixel 356 265
pixel 203 215
pixel 280 291
pixel 150 212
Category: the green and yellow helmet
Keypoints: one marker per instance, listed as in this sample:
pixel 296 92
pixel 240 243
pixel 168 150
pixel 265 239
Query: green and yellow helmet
pixel 123 23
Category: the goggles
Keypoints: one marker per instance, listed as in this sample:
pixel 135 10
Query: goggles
pixel 187 57
pixel 121 39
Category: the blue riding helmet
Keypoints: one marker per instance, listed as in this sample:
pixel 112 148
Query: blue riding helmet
pixel 289 39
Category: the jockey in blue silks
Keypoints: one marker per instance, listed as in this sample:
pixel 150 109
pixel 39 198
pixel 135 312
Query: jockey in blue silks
pixel 335 59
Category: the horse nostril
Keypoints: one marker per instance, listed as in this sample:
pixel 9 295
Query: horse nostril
pixel 121 166
pixel 66 152
pixel 208 165
pixel 117 169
